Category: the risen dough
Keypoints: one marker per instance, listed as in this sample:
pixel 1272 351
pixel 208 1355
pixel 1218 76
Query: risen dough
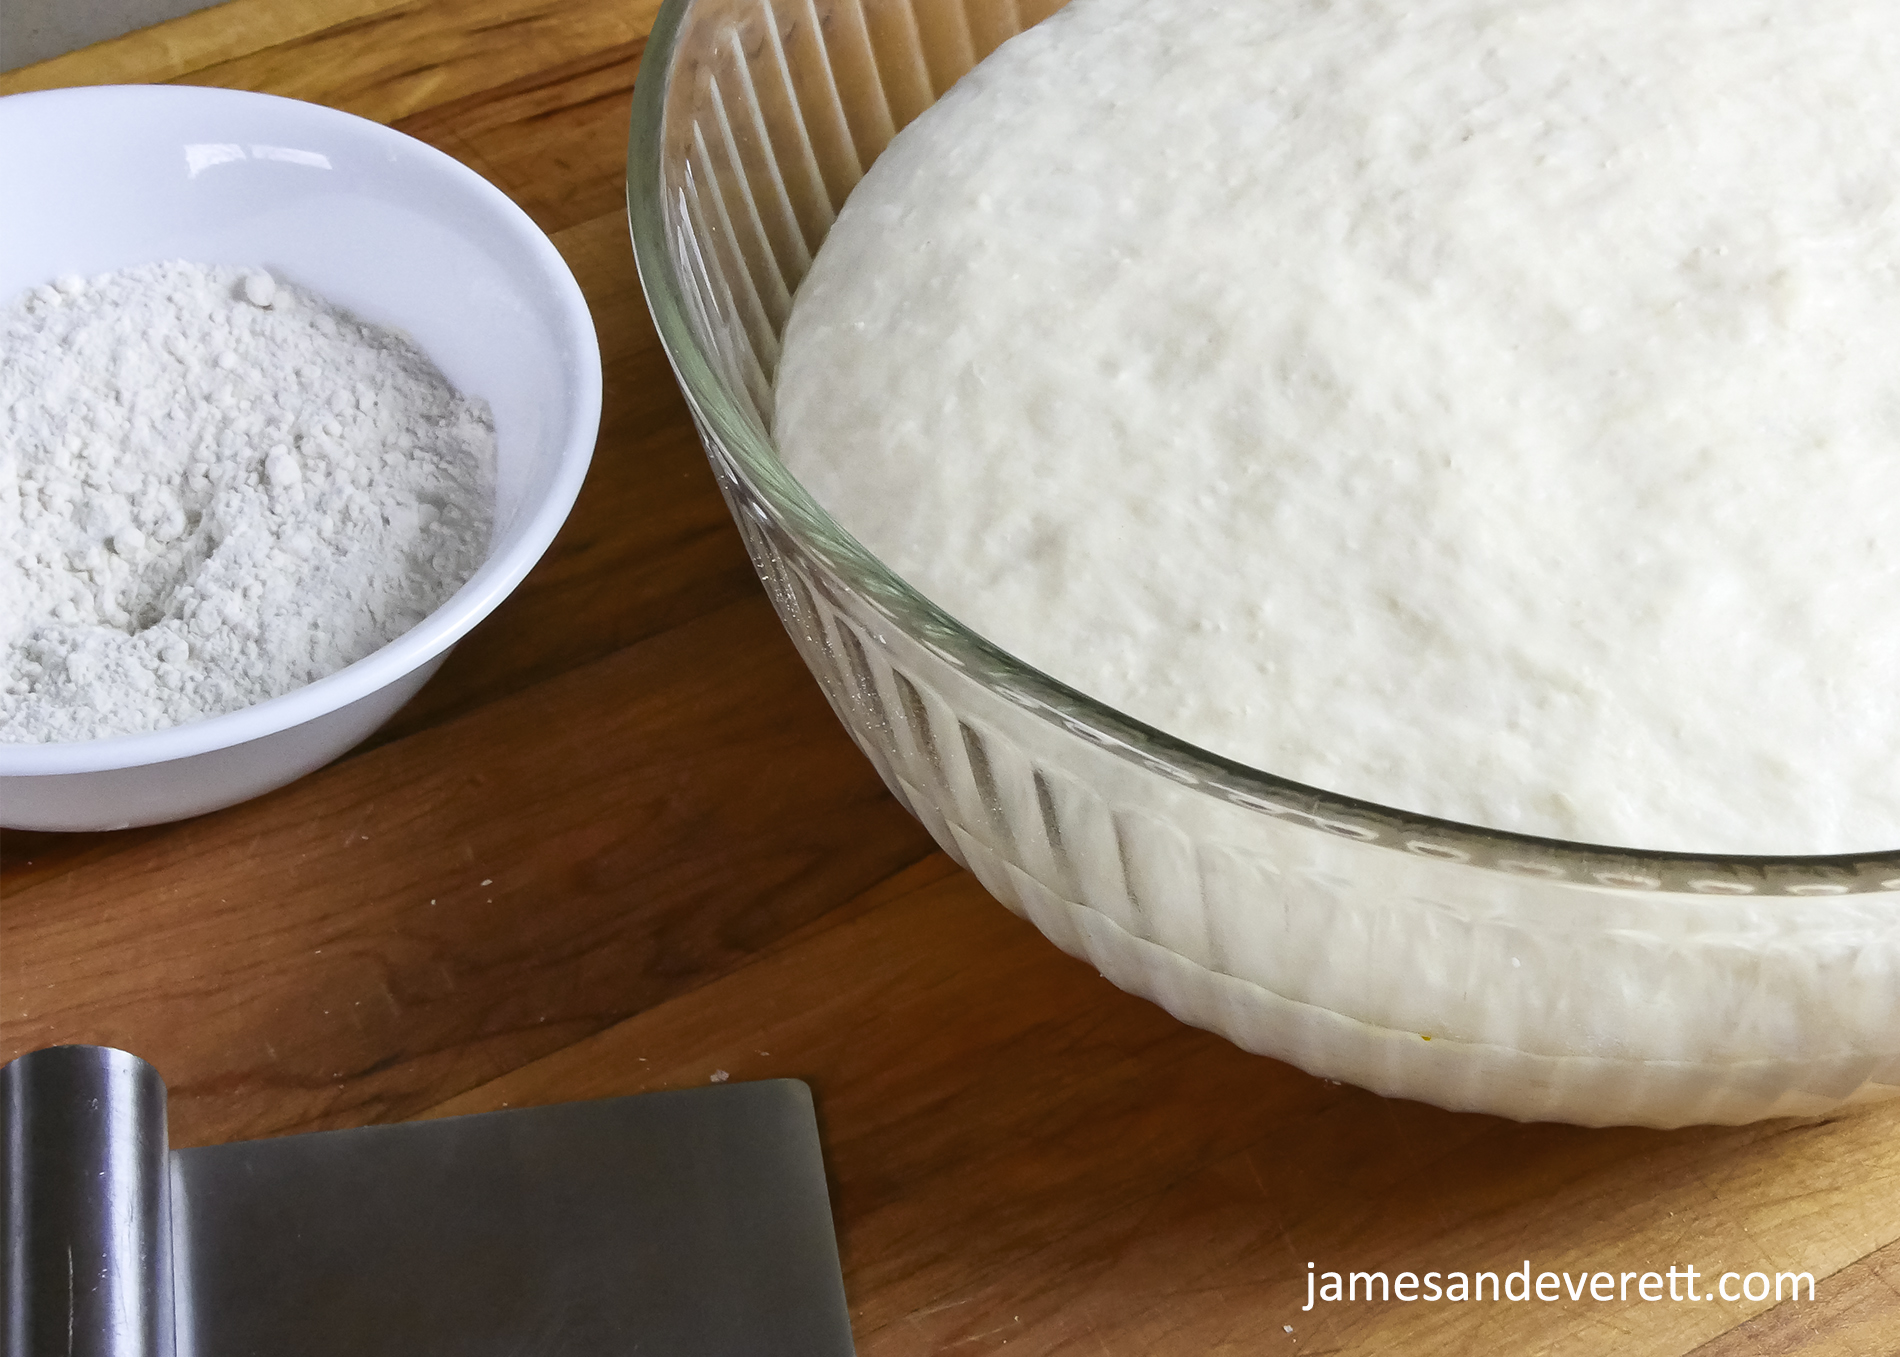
pixel 1488 409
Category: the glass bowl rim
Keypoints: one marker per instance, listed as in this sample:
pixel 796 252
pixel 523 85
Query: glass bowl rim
pixel 749 456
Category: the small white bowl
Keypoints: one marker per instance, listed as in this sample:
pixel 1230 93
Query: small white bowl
pixel 104 178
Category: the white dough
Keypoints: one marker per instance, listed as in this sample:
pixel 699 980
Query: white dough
pixel 1485 407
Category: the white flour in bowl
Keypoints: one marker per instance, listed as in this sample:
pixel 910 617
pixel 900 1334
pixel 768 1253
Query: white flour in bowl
pixel 216 488
pixel 1488 409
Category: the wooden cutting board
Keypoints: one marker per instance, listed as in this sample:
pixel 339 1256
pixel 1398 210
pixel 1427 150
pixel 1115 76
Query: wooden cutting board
pixel 620 844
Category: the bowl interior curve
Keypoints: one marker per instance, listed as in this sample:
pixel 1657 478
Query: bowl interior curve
pixel 373 220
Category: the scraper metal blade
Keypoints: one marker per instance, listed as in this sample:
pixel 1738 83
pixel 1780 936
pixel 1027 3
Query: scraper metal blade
pixel 691 1222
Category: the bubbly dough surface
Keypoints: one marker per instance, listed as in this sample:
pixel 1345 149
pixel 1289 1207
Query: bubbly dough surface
pixel 1485 408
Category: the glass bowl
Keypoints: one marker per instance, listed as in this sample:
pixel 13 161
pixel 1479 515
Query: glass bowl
pixel 1419 958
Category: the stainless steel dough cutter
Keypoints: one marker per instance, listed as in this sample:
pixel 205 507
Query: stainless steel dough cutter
pixel 675 1224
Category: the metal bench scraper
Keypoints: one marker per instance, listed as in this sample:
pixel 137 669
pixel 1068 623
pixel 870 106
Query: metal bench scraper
pixel 679 1224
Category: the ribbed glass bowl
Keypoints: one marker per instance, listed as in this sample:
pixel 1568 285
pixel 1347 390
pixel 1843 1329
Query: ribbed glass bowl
pixel 1416 957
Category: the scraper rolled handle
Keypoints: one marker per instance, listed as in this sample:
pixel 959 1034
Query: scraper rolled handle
pixel 85 1239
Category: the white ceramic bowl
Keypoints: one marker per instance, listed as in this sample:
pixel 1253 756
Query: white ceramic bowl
pixel 104 178
pixel 1462 966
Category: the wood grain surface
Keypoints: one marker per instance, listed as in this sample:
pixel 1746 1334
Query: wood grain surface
pixel 619 844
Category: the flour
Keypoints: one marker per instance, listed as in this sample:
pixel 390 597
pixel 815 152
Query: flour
pixel 215 488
